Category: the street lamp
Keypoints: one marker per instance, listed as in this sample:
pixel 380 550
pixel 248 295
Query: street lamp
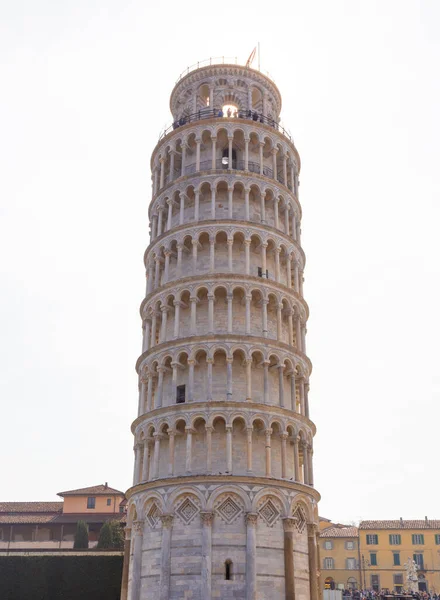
pixel 365 563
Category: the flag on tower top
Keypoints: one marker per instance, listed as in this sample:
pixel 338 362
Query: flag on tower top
pixel 251 57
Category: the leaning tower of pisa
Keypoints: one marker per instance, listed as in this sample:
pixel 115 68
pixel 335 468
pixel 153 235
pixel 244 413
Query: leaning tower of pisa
pixel 223 503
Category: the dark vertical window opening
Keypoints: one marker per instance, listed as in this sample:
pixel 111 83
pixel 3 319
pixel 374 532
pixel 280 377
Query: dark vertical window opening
pixel 228 570
pixel 180 394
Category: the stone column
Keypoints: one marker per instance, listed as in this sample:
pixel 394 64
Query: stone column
pixel 212 254
pixel 277 264
pixel 248 299
pixel 174 367
pixel 294 226
pixel 210 313
pixel 136 565
pixel 229 300
pixel 298 332
pixel 310 463
pixel 274 163
pixel 301 396
pixel 246 203
pixel 313 562
pixel 146 461
pixel 268 434
pixel 157 272
pixel 206 518
pixel 249 449
pixel 165 566
pixel 277 218
pixel 160 210
pixel 214 152
pixel 279 322
pixel 170 213
pixel 293 391
pixel 213 194
pixel 163 329
pixel 301 283
pixel 147 334
pixel 142 394
pixel 303 337
pixel 195 244
pixel 161 371
pixel 284 437
pixel 210 362
pixel 177 305
pixel 189 432
pixel 261 158
pixel 286 221
pixel 306 398
pixel 150 393
pixel 157 437
pixel 246 154
pixel 136 463
pixel 296 458
pixel 150 280
pixel 247 248
pixel 263 259
pixel 198 142
pixel 290 326
pixel 266 382
pixel 162 172
pixel 305 462
pixel 229 378
pixel 155 180
pixel 263 207
pixel 281 384
pixel 179 260
pixel 193 301
pixel 248 363
pixel 251 556
pixel 289 524
pixel 171 439
pixel 172 160
pixel 126 567
pixel 230 193
pixel 196 205
pixel 264 304
pixel 229 448
pixel 153 227
pixel 184 147
pixel 209 431
pixel 289 271
pixel 191 364
pixel 296 276
pixel 285 169
pixel 230 243
pixel 182 208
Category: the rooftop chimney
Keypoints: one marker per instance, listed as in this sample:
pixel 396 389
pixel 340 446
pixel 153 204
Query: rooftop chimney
pixel 426 519
pixel 401 522
pixel 106 485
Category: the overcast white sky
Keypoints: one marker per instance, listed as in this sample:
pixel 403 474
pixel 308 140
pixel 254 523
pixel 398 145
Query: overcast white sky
pixel 84 94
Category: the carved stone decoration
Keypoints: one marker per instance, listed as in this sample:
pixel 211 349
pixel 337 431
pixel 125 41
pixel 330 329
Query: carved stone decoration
pixel 229 510
pixel 301 520
pixel 187 511
pixel 153 515
pixel 269 513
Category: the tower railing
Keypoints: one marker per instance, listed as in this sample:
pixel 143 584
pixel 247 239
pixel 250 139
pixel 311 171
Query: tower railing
pixel 213 113
pixel 216 60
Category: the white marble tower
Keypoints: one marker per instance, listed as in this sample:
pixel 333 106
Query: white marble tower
pixel 222 503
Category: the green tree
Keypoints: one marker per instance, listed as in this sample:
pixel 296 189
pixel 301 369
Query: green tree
pixel 111 536
pixel 81 535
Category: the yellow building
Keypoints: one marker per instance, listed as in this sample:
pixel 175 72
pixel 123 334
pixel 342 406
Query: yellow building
pixel 339 556
pixel 385 546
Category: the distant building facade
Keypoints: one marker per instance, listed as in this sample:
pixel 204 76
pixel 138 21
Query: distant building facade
pixel 373 556
pixel 385 547
pixel 339 551
pixel 51 526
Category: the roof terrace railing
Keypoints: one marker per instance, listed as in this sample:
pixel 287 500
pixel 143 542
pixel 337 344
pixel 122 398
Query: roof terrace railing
pixel 216 60
pixel 212 113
